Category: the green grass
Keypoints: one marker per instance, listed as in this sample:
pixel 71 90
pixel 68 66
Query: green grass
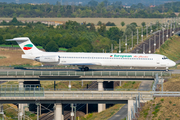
pixel 11 113
pixel 63 49
pixel 104 115
pixel 171 48
pixel 1 57
pixel 129 85
pixel 9 45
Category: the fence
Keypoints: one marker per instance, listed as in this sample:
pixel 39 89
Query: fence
pixel 80 73
pixel 21 92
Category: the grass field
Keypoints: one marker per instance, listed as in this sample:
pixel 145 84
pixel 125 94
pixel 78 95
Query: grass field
pixel 129 85
pixel 117 21
pixel 13 57
pixel 64 84
pixel 161 109
pixel 173 83
pixel 11 113
pixel 104 115
pixel 171 48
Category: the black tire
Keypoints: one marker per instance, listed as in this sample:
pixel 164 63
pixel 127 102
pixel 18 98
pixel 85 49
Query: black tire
pixel 86 68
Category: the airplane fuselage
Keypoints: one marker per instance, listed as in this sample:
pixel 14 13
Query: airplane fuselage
pixel 107 59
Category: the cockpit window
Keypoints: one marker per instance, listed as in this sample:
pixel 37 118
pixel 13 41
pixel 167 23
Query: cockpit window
pixel 164 58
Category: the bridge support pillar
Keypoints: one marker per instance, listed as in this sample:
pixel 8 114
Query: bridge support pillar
pixel 1 112
pixel 101 107
pixel 20 106
pixel 20 111
pixel 130 105
pixel 100 85
pixel 21 84
pixel 58 112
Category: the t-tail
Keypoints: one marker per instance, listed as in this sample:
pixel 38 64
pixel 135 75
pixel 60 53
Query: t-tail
pixel 26 45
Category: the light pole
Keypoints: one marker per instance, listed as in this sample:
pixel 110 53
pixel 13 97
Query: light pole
pixel 143 48
pixel 154 43
pixel 119 45
pixel 146 31
pixel 159 39
pixel 142 34
pixel 137 37
pixel 150 45
pixel 126 44
pixel 132 39
pixel 167 31
pixel 163 36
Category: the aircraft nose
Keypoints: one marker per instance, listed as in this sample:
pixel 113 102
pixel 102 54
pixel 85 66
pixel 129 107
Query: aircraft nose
pixel 172 63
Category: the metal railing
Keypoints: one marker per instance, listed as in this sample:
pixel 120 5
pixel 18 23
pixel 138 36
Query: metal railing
pixel 81 73
pixel 22 92
pixel 17 85
pixel 95 94
pixel 156 81
pixel 166 94
pixel 95 89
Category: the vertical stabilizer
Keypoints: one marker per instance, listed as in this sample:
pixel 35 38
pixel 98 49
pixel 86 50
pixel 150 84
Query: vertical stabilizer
pixel 26 45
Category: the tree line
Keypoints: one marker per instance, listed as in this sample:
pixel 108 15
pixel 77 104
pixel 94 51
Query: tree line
pixel 74 36
pixel 94 9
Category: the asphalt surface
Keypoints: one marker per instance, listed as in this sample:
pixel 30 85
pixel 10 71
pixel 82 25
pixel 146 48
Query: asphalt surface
pixel 175 71
pixel 145 85
pixel 121 114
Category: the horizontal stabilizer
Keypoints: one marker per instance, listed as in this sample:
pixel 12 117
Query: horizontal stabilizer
pixel 26 45
pixel 18 39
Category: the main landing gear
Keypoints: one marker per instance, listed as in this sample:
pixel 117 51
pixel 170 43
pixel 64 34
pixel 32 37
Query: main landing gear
pixel 167 69
pixel 84 69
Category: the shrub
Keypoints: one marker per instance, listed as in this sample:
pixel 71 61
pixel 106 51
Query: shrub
pixel 89 24
pixel 110 24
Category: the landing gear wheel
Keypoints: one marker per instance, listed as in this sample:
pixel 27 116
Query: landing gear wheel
pixel 82 69
pixel 167 69
pixel 86 68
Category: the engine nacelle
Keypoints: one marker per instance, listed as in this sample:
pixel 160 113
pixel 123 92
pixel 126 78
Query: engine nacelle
pixel 48 59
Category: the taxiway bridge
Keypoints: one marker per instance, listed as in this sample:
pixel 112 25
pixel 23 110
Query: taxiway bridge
pixel 78 75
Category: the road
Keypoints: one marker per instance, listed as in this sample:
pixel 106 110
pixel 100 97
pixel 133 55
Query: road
pixel 121 114
pixel 145 85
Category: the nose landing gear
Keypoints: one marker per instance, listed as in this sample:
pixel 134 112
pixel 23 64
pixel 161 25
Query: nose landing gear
pixel 167 69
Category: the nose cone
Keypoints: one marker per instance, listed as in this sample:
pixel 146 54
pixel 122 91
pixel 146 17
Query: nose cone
pixel 172 63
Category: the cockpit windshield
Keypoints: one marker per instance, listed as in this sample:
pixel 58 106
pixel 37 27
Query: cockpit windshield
pixel 164 58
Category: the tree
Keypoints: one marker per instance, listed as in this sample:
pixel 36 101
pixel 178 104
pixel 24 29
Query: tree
pixel 110 24
pixel 51 47
pixel 92 27
pixel 1 39
pixel 133 23
pixel 143 24
pixel 122 23
pixel 93 3
pixel 99 23
pixel 114 33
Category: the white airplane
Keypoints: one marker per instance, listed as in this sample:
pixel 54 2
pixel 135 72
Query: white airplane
pixel 84 60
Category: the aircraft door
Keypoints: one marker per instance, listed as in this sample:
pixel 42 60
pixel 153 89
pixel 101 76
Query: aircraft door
pixel 158 61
